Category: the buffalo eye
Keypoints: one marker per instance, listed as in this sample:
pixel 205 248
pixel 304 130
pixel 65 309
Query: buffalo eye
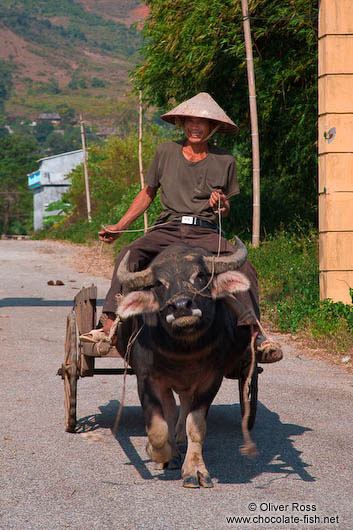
pixel 199 275
pixel 161 282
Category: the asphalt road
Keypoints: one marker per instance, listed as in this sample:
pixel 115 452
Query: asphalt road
pixel 53 480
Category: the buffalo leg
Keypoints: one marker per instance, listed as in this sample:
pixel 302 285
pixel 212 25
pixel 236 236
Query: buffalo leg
pixel 194 471
pixel 170 415
pixel 158 447
pixel 180 429
pixel 160 412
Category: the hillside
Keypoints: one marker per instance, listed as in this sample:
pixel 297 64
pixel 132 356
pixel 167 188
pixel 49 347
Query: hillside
pixel 72 52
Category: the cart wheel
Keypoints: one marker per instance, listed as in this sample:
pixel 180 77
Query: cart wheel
pixel 71 371
pixel 252 395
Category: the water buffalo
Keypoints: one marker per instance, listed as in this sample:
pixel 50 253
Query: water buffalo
pixel 185 339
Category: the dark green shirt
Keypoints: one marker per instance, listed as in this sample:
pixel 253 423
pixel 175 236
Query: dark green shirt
pixel 186 186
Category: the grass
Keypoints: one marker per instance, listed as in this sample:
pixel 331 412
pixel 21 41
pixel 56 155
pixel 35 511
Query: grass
pixel 287 267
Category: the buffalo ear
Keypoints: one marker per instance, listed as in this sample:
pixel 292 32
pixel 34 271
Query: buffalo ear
pixel 136 303
pixel 229 282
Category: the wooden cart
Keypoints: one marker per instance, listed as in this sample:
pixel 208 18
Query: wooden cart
pixel 79 360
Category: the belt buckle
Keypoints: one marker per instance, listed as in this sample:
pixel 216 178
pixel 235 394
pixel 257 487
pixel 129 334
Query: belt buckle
pixel 187 220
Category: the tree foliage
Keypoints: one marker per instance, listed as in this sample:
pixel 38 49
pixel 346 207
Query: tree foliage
pixel 18 155
pixel 113 170
pixel 6 71
pixel 199 46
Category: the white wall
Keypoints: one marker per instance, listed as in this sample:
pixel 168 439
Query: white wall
pixel 53 182
pixel 54 169
pixel 42 197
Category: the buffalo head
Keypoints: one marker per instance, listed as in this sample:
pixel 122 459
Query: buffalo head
pixel 181 286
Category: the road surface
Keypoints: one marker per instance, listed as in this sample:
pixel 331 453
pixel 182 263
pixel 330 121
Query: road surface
pixel 52 480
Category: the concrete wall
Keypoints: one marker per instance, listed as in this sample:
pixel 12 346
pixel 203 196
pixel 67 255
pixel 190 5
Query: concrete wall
pixel 50 182
pixel 54 169
pixel 336 149
pixel 42 197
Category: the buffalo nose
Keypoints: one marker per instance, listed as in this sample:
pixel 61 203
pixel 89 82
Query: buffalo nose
pixel 183 304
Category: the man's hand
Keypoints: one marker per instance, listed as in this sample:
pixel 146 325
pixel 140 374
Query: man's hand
pixel 107 234
pixel 218 199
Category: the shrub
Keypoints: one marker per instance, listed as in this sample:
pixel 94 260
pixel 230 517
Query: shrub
pixel 287 267
pixel 97 82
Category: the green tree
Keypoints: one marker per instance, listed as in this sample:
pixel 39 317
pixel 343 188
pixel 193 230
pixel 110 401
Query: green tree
pixel 3 130
pixel 97 82
pixel 52 87
pixel 43 129
pixel 77 81
pixel 6 71
pixel 66 113
pixel 199 46
pixel 18 157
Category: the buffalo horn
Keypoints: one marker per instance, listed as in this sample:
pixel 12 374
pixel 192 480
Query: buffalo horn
pixel 133 280
pixel 227 263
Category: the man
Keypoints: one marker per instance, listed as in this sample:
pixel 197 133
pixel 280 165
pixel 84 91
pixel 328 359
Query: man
pixel 197 180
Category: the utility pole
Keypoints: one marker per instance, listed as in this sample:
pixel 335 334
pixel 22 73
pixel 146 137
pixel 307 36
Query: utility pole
pixel 254 125
pixel 88 198
pixel 142 179
pixel 336 149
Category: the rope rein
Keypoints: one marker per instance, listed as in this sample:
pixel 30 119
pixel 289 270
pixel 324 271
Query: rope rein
pixel 152 227
pixel 126 365
pixel 249 447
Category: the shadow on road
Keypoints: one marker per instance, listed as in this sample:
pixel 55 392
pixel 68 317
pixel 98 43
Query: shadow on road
pixel 131 424
pixel 274 440
pixel 277 454
pixel 39 302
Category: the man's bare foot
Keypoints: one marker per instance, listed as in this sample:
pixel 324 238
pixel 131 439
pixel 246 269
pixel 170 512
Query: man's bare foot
pixel 107 327
pixel 108 322
pixel 267 351
pixel 95 335
pixel 101 334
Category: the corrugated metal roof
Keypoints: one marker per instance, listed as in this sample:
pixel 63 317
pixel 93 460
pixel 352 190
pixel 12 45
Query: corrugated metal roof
pixel 61 154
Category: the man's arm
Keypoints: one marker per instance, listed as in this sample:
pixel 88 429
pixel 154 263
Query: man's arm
pixel 140 203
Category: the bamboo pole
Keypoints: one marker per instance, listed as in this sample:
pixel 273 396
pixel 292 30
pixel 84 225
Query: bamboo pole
pixel 88 198
pixel 142 179
pixel 254 125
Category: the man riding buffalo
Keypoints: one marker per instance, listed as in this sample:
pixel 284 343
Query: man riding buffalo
pixel 197 180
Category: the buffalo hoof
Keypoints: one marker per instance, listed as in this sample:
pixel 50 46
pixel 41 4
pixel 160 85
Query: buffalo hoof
pixel 201 479
pixel 174 463
pixel 204 480
pixel 159 466
pixel 191 482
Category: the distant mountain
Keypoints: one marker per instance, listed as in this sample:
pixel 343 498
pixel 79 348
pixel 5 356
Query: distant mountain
pixel 69 52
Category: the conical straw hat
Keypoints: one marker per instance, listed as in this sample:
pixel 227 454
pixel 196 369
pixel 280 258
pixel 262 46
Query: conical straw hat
pixel 202 106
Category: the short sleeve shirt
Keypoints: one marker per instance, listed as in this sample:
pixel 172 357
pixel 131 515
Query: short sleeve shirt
pixel 186 186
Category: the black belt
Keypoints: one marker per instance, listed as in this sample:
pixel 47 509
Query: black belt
pixel 195 221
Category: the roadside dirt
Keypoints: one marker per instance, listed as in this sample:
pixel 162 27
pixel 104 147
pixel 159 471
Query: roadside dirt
pixel 98 260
